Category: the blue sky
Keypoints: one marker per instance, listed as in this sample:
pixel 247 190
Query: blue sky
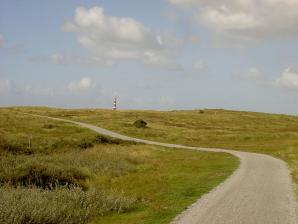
pixel 163 54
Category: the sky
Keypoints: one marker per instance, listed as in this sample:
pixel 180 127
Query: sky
pixel 161 54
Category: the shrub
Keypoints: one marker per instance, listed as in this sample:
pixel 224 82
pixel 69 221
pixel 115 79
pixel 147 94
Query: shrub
pixel 46 176
pixel 58 206
pixel 49 126
pixel 85 144
pixel 140 123
pixel 14 147
pixel 99 139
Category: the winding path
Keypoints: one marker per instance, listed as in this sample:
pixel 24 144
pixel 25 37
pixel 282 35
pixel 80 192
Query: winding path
pixel 259 192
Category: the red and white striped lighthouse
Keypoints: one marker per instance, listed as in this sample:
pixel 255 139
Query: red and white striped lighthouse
pixel 115 103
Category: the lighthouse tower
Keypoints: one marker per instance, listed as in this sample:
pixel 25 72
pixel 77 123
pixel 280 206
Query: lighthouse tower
pixel 115 103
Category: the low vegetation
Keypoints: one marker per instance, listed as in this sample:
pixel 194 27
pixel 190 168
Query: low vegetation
pixel 58 205
pixel 55 172
pixel 273 134
pixel 140 124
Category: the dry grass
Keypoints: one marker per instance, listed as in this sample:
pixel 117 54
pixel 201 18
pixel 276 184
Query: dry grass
pixel 60 205
pixel 272 134
pixel 72 175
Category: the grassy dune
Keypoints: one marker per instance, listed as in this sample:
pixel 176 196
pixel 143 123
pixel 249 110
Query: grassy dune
pixel 272 134
pixel 55 172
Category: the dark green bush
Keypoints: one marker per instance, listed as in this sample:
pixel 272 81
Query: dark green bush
pixel 49 126
pixel 140 123
pixel 100 139
pixel 46 176
pixel 85 144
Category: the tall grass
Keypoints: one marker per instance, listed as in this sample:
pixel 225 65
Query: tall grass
pixel 55 188
pixel 43 175
pixel 71 169
pixel 46 168
pixel 57 206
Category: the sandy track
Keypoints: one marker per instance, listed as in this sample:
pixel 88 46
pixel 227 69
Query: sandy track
pixel 259 192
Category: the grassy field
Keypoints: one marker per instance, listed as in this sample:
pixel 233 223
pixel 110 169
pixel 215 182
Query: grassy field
pixel 55 172
pixel 272 134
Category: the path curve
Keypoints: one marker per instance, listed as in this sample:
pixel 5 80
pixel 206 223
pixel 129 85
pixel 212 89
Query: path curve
pixel 259 192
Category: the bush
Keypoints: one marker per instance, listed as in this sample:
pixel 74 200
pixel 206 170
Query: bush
pixel 58 206
pixel 99 139
pixel 85 144
pixel 49 126
pixel 14 147
pixel 140 123
pixel 46 176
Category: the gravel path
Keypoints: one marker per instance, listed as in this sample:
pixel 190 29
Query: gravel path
pixel 259 192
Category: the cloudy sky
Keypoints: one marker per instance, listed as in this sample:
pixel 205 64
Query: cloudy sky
pixel 161 54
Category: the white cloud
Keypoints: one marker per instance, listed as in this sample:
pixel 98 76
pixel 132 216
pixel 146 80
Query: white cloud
pixel 252 74
pixel 200 65
pixel 245 20
pixel 225 19
pixel 109 39
pixel 288 80
pixel 82 85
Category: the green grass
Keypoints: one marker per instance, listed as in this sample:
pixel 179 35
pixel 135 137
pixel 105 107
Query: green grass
pixel 23 134
pixel 272 134
pixel 167 183
pixel 72 175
